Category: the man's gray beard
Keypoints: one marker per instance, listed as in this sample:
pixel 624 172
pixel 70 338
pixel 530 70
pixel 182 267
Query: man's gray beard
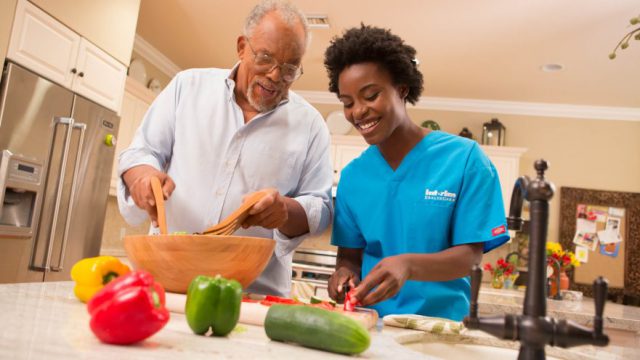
pixel 261 108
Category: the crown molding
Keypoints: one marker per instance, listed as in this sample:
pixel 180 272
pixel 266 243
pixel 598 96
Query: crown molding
pixel 155 57
pixel 502 107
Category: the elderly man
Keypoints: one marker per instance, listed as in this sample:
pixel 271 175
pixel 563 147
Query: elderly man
pixel 215 135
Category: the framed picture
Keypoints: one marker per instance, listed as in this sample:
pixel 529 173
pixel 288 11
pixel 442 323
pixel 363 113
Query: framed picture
pixel 614 245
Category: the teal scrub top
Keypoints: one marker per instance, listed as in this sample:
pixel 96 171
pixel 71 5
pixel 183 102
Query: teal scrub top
pixel 446 192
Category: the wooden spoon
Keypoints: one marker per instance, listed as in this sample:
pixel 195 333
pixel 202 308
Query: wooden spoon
pixel 156 186
pixel 232 222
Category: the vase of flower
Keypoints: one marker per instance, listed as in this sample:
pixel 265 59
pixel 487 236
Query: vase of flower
pixel 561 261
pixel 503 270
pixel 564 282
pixel 497 282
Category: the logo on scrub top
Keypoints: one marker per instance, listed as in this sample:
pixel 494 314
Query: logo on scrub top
pixel 443 195
pixel 498 230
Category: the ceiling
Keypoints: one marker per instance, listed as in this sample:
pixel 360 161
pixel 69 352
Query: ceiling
pixel 468 49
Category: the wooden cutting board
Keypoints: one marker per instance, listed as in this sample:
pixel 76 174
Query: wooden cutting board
pixel 255 313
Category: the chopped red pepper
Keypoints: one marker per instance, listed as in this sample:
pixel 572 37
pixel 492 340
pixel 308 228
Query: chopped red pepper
pixel 348 305
pixel 280 300
pixel 128 309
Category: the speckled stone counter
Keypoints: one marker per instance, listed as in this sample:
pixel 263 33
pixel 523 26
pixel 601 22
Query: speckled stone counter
pixel 493 301
pixel 45 321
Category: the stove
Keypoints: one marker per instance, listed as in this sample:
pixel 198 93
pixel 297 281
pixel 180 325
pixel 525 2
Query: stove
pixel 310 272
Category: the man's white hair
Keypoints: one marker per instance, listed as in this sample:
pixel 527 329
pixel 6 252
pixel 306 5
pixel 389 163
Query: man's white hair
pixel 287 12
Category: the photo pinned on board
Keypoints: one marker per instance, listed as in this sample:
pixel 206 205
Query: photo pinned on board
pixel 588 240
pixel 610 249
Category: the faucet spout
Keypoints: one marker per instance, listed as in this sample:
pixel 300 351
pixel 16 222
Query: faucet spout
pixel 533 328
pixel 514 221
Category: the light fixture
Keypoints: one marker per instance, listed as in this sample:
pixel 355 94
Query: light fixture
pixel 552 67
pixel 318 21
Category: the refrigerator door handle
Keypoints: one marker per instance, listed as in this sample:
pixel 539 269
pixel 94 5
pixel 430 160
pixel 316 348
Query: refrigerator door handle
pixel 65 154
pixel 4 171
pixel 83 128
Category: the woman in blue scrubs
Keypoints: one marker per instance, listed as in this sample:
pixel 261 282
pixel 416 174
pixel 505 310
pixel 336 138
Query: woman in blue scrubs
pixel 418 208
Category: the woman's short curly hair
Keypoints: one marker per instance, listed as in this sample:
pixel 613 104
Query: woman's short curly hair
pixel 380 46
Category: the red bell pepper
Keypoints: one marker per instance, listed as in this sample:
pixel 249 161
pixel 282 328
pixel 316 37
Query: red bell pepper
pixel 128 309
pixel 348 305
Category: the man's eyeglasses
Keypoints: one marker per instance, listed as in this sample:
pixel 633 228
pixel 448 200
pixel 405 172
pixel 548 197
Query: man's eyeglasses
pixel 266 63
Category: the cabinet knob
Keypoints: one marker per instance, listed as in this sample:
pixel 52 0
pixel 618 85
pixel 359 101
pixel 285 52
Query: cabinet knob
pixel 73 71
pixel 81 74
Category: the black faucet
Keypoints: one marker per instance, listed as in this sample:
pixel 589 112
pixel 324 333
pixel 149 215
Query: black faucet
pixel 533 328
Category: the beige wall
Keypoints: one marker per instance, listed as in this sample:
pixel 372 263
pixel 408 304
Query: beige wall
pixel 7 12
pixel 109 24
pixel 594 154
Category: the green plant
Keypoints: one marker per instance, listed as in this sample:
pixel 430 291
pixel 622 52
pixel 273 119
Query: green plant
pixel 624 42
pixel 430 124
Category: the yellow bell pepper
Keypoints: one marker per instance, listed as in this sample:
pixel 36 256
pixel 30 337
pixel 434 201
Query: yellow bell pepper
pixel 91 274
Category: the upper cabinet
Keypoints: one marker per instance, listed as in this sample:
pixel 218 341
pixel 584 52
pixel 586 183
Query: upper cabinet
pixel 49 48
pixel 109 24
pixel 345 148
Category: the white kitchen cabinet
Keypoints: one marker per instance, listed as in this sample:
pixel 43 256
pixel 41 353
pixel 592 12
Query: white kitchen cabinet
pixel 345 148
pixel 135 103
pixel 507 163
pixel 49 48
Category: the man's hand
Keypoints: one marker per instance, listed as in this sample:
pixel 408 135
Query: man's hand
pixel 138 181
pixel 341 276
pixel 387 277
pixel 275 211
pixel 270 212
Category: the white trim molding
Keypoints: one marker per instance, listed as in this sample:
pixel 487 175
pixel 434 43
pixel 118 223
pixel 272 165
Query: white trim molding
pixel 502 107
pixel 155 57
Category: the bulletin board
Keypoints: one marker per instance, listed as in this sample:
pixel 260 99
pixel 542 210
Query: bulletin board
pixel 603 229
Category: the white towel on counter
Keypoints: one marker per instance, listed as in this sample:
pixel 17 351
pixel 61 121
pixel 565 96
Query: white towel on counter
pixel 433 325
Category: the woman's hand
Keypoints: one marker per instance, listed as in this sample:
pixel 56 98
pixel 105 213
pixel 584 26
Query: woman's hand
pixel 341 276
pixel 387 277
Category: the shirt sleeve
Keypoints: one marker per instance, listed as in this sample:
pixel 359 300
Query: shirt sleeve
pixel 152 145
pixel 313 192
pixel 346 232
pixel 479 215
pixel 314 187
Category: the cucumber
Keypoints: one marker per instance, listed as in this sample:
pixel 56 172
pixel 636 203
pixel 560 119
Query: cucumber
pixel 316 328
pixel 315 300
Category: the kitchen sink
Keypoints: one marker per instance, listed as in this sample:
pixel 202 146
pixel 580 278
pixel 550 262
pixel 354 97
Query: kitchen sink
pixel 444 350
pixel 471 345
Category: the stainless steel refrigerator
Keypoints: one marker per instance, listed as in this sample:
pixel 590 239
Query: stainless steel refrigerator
pixel 55 169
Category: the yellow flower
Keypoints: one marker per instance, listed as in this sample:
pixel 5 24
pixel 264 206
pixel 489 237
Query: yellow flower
pixel 554 247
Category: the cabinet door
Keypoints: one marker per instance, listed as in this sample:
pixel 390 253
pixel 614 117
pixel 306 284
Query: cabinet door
pixel 100 77
pixel 42 44
pixel 344 155
pixel 507 168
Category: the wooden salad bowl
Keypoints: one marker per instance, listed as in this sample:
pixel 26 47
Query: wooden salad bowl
pixel 174 260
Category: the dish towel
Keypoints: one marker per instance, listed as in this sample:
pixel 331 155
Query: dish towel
pixel 433 325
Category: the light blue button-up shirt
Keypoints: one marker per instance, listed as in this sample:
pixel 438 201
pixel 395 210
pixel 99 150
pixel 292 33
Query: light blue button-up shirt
pixel 195 131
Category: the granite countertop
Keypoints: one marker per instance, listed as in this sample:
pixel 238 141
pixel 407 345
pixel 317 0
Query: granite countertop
pixel 46 321
pixel 616 316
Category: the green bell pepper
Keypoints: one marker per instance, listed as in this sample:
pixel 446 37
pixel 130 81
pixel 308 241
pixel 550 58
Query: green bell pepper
pixel 213 303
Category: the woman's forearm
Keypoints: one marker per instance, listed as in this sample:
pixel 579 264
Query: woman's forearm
pixel 449 264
